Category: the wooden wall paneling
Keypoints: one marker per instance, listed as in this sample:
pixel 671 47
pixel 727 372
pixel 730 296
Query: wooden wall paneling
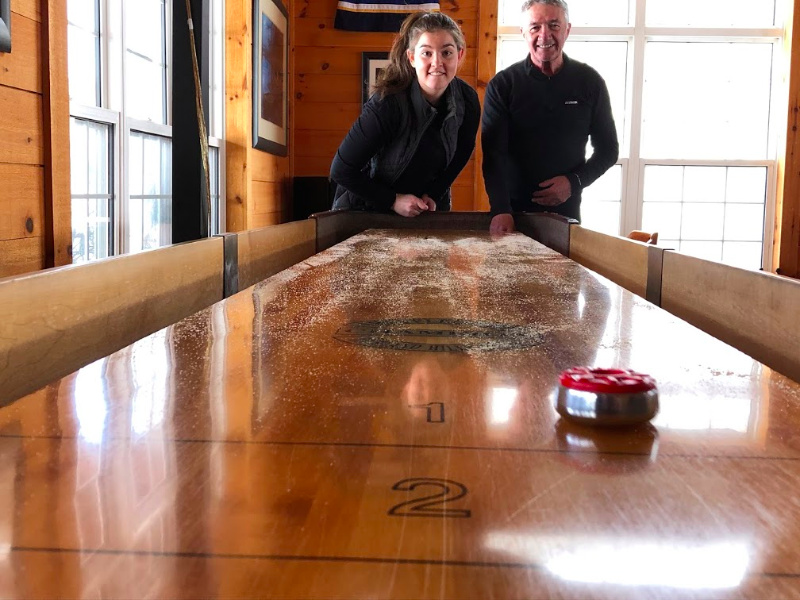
pixel 786 249
pixel 328 88
pixel 312 166
pixel 22 68
pixel 328 60
pixel 267 219
pixel 264 167
pixel 268 197
pixel 318 143
pixel 21 255
pixel 21 127
pixel 238 101
pixel 55 104
pixel 486 67
pixel 27 8
pixel 21 212
pixel 327 117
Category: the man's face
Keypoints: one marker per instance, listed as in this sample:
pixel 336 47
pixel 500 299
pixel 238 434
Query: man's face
pixel 545 28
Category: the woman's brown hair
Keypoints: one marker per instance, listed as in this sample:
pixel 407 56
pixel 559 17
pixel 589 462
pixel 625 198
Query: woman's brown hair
pixel 399 74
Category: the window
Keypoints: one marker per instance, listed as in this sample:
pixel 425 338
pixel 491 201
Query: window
pixel 120 102
pixel 697 93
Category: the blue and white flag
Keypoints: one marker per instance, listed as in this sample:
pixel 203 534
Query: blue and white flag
pixel 378 16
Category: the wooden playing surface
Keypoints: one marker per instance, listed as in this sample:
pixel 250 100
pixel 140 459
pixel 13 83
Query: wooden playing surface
pixel 378 422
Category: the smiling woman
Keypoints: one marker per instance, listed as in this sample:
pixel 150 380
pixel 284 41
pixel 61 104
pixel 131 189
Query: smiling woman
pixel 417 131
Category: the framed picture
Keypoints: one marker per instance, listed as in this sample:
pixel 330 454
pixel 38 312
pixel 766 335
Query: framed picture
pixel 5 25
pixel 270 76
pixel 372 64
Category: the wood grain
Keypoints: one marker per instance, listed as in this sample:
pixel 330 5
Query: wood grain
pixel 247 451
pixel 27 202
pixel 22 68
pixel 622 260
pixel 100 307
pixel 759 313
pixel 21 128
pixel 55 104
pixel 264 252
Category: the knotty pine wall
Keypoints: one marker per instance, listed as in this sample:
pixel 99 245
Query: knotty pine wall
pixel 258 184
pixel 327 85
pixel 34 118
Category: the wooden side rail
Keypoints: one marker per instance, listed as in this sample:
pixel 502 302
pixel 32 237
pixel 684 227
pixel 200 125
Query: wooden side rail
pixel 337 225
pixel 55 321
pixel 636 266
pixel 758 313
pixel 263 252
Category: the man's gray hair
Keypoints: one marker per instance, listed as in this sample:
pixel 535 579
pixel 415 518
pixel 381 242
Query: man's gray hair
pixel 562 4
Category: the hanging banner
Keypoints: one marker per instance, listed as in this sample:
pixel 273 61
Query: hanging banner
pixel 378 16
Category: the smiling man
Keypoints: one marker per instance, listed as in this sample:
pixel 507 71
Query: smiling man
pixel 538 115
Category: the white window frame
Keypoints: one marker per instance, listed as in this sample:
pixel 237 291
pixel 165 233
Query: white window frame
pixel 631 161
pixel 113 111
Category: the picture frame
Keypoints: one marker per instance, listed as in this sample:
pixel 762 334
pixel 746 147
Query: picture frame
pixel 5 25
pixel 372 63
pixel 270 76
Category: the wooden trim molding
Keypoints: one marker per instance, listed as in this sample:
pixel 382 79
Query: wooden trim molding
pixel 786 249
pixel 487 66
pixel 55 109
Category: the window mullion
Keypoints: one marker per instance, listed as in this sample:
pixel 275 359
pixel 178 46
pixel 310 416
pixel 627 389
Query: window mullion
pixel 632 195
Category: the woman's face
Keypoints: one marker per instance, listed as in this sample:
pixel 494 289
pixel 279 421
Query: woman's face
pixel 435 58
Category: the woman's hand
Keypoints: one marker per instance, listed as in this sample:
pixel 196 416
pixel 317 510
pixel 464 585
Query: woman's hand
pixel 430 202
pixel 409 205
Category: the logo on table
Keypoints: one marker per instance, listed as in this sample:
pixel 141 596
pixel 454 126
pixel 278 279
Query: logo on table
pixel 439 335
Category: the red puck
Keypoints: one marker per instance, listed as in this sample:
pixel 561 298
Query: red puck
pixel 606 381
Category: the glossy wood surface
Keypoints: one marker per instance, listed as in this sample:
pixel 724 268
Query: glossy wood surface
pixel 258 450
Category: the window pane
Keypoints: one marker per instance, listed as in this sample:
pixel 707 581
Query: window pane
pixel 145 56
pixel 84 66
pixel 146 99
pixel 702 221
pixel 92 199
pixel 746 255
pixel 592 13
pixel 150 211
pixel 581 12
pixel 691 111
pixel 217 95
pixel 707 250
pixel 610 59
pixel 744 222
pixel 79 151
pixel 82 13
pixel 511 51
pixel 662 218
pixel 709 13
pixel 601 202
pixel 663 184
pixel 213 165
pixel 704 184
pixel 601 216
pixel 144 28
pixel 747 184
pixel 699 210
